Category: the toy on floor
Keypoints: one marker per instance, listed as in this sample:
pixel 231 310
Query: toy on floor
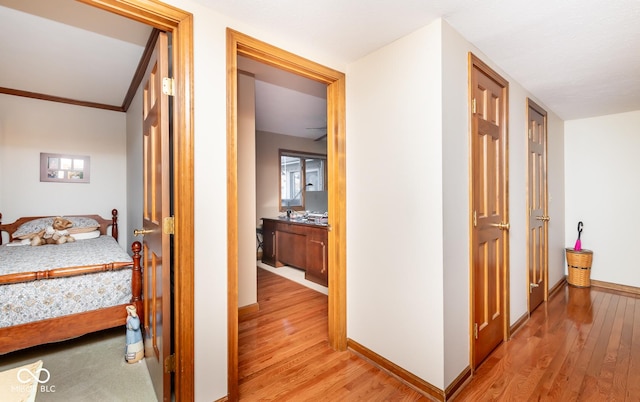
pixel 134 351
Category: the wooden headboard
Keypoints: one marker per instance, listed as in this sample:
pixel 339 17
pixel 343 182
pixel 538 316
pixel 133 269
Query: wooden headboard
pixel 104 223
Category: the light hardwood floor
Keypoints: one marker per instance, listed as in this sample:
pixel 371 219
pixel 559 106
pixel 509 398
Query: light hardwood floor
pixel 284 353
pixel 583 345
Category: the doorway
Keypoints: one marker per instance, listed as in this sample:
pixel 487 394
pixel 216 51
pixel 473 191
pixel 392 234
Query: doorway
pixel 241 45
pixel 282 153
pixel 537 206
pixel 489 209
pixel 180 25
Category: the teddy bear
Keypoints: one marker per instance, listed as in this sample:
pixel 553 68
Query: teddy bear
pixel 57 233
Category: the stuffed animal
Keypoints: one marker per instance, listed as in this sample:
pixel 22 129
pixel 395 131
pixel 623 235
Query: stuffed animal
pixel 57 233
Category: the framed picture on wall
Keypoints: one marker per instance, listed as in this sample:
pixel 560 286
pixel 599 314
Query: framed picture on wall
pixel 64 168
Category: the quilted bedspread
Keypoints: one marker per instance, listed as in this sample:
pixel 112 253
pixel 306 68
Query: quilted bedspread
pixel 37 300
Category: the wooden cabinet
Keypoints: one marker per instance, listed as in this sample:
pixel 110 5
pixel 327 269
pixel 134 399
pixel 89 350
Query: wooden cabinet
pixel 269 242
pixel 316 269
pixel 297 244
pixel 291 246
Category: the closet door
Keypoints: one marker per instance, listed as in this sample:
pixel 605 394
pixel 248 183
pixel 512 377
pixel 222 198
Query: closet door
pixel 537 201
pixel 490 220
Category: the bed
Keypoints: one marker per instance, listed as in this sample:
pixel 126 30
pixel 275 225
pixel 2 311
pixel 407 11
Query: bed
pixel 55 292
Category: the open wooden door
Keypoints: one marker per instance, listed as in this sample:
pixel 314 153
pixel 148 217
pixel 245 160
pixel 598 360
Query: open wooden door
pixel 489 209
pixel 537 201
pixel 157 222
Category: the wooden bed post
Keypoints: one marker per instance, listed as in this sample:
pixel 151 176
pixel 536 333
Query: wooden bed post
pixel 136 280
pixel 114 223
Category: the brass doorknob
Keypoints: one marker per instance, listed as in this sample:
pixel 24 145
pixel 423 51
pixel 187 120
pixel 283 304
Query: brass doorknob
pixel 501 225
pixel 139 232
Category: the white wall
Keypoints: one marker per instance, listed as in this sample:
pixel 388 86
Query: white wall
pixel 32 126
pixel 2 171
pixel 602 190
pixel 134 167
pixel 394 203
pixel 247 283
pixel 455 134
pixel 210 203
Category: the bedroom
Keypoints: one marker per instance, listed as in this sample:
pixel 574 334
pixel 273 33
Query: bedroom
pixel 211 324
pixel 108 138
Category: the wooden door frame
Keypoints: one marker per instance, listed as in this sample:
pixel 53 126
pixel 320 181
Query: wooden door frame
pixel 474 61
pixel 180 24
pixel 239 44
pixel 532 105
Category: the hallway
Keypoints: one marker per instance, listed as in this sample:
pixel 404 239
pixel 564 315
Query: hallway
pixel 584 344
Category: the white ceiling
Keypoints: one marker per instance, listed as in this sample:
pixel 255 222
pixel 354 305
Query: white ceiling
pixel 68 49
pixel 287 103
pixel 581 58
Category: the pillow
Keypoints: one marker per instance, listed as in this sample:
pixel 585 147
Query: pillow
pixel 24 242
pixel 86 235
pixel 27 229
pixel 81 224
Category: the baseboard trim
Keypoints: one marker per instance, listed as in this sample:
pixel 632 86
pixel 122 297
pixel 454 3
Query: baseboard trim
pixel 556 288
pixel 246 310
pixel 403 375
pixel 519 323
pixel 457 384
pixel 614 286
pixel 522 320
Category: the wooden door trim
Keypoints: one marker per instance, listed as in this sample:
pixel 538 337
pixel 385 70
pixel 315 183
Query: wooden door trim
pixel 180 24
pixel 475 62
pixel 533 105
pixel 243 45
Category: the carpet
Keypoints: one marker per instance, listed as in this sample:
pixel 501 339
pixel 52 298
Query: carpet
pixel 21 384
pixel 89 368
